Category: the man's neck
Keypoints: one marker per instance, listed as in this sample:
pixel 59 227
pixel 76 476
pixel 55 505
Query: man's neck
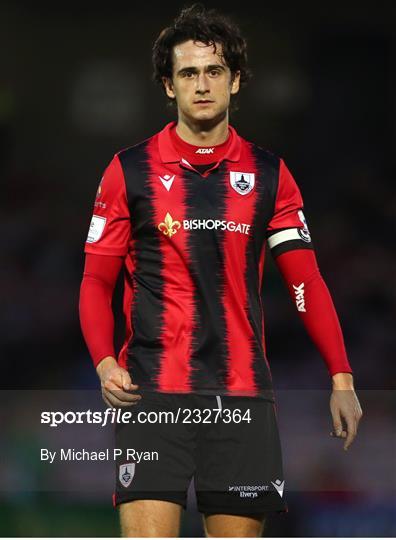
pixel 209 133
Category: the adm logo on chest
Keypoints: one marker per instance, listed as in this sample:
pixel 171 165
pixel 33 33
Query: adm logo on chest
pixel 241 182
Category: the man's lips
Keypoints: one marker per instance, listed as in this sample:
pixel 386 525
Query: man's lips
pixel 203 101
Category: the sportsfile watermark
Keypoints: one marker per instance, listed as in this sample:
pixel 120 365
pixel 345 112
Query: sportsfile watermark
pixel 82 451
pixel 107 454
pixel 118 416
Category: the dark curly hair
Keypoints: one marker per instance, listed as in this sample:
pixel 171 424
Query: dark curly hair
pixel 207 26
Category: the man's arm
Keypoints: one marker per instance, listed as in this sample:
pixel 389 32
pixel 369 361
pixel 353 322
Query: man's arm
pixel 97 324
pixel 106 247
pixel 290 242
pixel 315 307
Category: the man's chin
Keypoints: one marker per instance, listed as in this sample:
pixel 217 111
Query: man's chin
pixel 204 115
pixel 208 117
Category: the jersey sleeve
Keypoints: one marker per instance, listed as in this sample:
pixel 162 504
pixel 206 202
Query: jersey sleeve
pixel 315 307
pixel 110 227
pixel 288 229
pixel 96 315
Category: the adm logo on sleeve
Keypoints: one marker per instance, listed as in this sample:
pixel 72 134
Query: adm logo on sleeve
pixel 96 228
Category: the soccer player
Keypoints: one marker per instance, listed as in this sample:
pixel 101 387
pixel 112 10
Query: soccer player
pixel 187 213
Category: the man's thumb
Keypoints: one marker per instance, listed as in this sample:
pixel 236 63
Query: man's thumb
pixel 126 380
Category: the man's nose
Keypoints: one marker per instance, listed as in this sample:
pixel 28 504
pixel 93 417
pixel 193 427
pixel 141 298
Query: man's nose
pixel 202 83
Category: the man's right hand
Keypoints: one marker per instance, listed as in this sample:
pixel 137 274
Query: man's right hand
pixel 117 387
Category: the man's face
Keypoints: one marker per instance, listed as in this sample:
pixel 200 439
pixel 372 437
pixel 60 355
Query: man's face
pixel 201 82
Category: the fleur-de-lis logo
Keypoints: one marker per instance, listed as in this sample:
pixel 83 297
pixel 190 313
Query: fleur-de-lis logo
pixel 168 226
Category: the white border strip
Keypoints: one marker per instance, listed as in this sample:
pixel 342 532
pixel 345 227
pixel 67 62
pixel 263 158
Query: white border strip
pixel 283 236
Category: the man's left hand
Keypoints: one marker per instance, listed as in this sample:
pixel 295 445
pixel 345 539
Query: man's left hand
pixel 344 405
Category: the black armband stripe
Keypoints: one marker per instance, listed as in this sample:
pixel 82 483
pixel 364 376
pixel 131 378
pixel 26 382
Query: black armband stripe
pixel 288 239
pixel 290 246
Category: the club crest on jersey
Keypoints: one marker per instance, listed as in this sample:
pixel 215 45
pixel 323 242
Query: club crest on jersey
pixel 126 474
pixel 243 183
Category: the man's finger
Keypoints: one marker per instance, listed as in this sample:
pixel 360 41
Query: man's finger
pixel 351 429
pixel 359 415
pixel 122 380
pixel 127 383
pixel 106 400
pixel 337 424
pixel 115 402
pixel 342 435
pixel 122 398
pixel 121 395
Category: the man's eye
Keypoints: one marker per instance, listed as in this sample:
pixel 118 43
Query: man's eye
pixel 188 74
pixel 214 72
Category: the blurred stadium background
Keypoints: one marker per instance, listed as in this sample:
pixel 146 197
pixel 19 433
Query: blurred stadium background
pixel 75 87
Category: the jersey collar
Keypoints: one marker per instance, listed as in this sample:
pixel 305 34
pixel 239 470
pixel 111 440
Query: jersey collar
pixel 168 153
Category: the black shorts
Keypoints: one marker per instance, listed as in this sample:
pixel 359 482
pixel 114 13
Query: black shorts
pixel 230 445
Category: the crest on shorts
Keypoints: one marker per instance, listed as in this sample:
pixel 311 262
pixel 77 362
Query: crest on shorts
pixel 126 474
pixel 243 183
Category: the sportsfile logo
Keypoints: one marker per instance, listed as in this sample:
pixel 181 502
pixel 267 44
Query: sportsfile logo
pixel 170 226
pixel 300 300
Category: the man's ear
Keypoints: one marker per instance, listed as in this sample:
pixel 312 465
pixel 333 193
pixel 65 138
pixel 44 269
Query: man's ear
pixel 168 87
pixel 235 81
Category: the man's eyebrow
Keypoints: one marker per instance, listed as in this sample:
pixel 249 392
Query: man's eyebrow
pixel 215 66
pixel 207 68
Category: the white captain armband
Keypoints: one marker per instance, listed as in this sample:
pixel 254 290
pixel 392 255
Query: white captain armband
pixel 284 240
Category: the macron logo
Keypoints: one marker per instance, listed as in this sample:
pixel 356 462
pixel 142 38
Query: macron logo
pixel 278 485
pixel 167 181
pixel 205 151
pixel 300 300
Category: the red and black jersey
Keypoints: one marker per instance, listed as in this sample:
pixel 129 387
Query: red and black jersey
pixel 194 247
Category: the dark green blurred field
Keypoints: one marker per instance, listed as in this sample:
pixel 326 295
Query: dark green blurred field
pixel 49 518
pixel 46 517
